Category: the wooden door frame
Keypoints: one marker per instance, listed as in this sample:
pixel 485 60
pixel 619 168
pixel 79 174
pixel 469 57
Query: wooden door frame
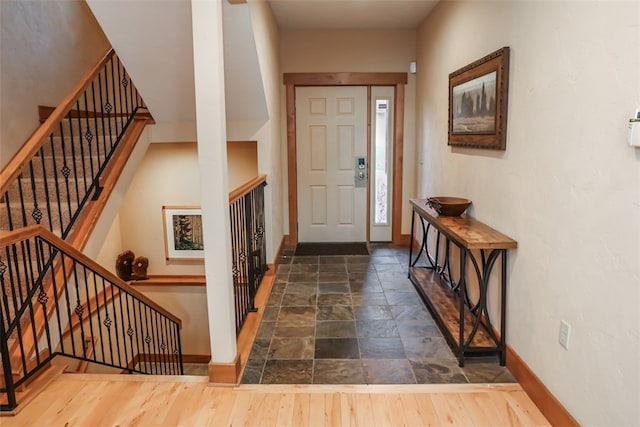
pixel 398 81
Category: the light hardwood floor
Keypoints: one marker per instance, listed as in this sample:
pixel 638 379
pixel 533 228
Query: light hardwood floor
pixel 127 400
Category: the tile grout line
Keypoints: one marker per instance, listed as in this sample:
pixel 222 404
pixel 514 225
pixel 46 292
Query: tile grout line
pixel 380 269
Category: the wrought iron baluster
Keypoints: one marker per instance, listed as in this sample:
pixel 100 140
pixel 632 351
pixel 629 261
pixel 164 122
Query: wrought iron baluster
pixel 245 212
pixel 240 290
pixel 114 107
pixel 14 279
pixel 8 206
pixel 42 295
pixel 3 289
pixel 67 294
pixel 165 346
pixel 130 87
pixel 142 363
pixel 56 181
pixel 23 210
pixel 90 314
pixel 103 129
pixel 234 262
pixel 46 186
pixel 74 147
pixel 176 329
pixel 248 207
pixel 32 281
pixel 56 296
pixel 125 83
pixel 79 310
pixel 108 106
pixel 162 344
pixel 96 128
pixel 126 110
pixel 130 332
pixel 261 231
pixel 151 353
pixel 147 339
pixel 137 327
pixel 36 214
pixel 171 346
pixel 157 342
pixel 117 322
pixel 154 341
pixel 6 362
pixel 108 321
pixel 89 138
pixel 83 135
pixel 66 173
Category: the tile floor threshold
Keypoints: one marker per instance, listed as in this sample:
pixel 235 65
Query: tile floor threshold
pixel 354 320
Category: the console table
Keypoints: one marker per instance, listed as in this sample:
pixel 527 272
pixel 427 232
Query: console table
pixel 465 324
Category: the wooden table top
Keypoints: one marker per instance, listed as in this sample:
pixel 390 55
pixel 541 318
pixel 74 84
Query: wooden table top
pixel 464 230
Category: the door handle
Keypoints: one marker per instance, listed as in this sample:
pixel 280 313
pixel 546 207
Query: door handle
pixel 360 175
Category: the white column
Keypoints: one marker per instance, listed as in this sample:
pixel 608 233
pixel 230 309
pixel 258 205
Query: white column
pixel 212 155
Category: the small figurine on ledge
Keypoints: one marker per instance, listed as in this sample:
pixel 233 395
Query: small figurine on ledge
pixel 124 265
pixel 139 268
pixel 128 267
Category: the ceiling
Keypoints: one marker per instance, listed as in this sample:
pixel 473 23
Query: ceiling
pixel 154 40
pixel 350 14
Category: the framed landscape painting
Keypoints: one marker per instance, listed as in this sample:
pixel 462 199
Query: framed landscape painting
pixel 183 233
pixel 478 103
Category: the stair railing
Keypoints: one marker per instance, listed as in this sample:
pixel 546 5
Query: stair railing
pixel 248 246
pixel 58 169
pixel 79 301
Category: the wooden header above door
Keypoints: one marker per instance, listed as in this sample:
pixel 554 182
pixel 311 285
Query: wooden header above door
pixel 344 79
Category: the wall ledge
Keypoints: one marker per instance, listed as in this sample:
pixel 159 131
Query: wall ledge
pixel 171 280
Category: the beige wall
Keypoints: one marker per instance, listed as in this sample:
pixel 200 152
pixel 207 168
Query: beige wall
pixel 167 175
pixel 267 39
pixel 357 51
pixel 112 234
pixel 242 162
pixel 46 46
pixel 566 188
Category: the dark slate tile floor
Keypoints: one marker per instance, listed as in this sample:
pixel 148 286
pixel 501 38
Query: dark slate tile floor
pixel 354 320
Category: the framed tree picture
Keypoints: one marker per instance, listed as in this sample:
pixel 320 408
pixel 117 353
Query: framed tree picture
pixel 183 233
pixel 478 100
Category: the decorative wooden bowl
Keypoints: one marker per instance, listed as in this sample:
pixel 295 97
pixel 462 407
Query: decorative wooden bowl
pixel 448 206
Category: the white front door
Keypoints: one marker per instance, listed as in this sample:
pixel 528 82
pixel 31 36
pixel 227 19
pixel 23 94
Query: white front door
pixel 331 132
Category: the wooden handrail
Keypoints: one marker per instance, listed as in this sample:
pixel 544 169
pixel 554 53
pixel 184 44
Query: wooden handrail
pixel 245 188
pixel 39 231
pixel 11 171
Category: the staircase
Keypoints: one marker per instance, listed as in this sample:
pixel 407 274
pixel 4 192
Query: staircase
pixel 55 300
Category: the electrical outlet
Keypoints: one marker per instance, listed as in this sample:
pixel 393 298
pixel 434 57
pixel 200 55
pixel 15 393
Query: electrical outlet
pixel 565 332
